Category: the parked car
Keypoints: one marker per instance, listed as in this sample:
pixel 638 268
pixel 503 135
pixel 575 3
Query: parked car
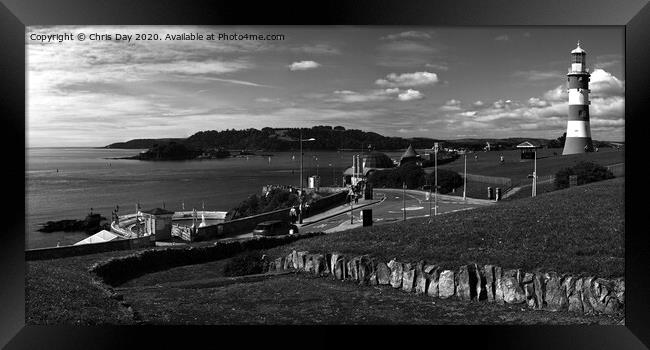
pixel 274 228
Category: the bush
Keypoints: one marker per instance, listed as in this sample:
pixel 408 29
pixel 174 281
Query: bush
pixel 253 205
pixel 587 172
pixel 414 177
pixel 249 263
pixel 447 180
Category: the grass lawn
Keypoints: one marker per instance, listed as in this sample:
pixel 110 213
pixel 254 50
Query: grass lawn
pixel 576 230
pixel 516 169
pixel 61 291
pixel 304 299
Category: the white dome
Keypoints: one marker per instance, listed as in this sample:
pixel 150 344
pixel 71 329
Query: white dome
pixel 578 49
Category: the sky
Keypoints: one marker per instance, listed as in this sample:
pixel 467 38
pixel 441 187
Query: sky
pixel 437 82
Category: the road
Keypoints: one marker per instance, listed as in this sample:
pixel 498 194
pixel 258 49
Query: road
pixel 391 209
pixel 413 203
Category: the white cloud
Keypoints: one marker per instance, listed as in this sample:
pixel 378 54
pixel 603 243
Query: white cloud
pixel 451 105
pixel 437 66
pixel 317 49
pixel 408 79
pixel 368 96
pixel 557 94
pixel 537 102
pixel 408 35
pixel 603 83
pixel 409 95
pixel 303 65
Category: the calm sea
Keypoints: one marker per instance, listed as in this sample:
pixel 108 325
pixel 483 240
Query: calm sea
pixel 86 179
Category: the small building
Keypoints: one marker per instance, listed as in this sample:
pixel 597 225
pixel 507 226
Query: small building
pixel 528 149
pixel 409 156
pixel 364 165
pixel 158 223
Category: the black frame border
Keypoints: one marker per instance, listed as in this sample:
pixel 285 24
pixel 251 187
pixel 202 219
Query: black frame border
pixel 16 14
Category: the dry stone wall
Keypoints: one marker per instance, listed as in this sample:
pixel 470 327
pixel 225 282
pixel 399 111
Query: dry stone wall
pixel 548 291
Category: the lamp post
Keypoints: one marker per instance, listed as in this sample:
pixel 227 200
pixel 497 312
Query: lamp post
pixel 404 200
pixel 316 166
pixel 429 198
pixel 301 178
pixel 535 175
pixel 465 177
pixel 435 152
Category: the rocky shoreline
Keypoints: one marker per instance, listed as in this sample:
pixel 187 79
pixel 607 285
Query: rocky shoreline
pixel 93 223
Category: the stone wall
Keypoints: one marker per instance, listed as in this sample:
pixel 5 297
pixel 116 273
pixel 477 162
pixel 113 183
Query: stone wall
pixel 84 249
pixel 548 291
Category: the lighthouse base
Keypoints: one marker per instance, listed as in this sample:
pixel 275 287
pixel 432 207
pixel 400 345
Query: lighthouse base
pixel 576 145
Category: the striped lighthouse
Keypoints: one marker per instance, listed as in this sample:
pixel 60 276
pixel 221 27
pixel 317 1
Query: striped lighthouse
pixel 578 132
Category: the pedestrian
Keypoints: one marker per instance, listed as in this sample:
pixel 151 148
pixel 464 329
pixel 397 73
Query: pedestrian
pixel 476 157
pixel 356 198
pixel 292 215
pixel 501 159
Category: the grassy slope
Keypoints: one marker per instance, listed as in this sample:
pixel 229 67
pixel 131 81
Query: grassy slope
pixel 518 170
pixel 61 291
pixel 575 230
pixel 304 299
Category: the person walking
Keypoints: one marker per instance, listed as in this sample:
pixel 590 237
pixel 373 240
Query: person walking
pixel 293 215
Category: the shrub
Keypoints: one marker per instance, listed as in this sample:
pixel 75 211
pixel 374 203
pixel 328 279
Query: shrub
pixel 253 205
pixel 587 172
pixel 447 180
pixel 414 177
pixel 249 263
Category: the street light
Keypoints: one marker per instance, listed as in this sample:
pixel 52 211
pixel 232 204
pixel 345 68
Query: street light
pixel 301 177
pixel 404 199
pixel 465 177
pixel 333 178
pixel 535 175
pixel 435 151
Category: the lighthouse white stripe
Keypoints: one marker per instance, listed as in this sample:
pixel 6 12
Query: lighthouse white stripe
pixel 577 128
pixel 578 97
